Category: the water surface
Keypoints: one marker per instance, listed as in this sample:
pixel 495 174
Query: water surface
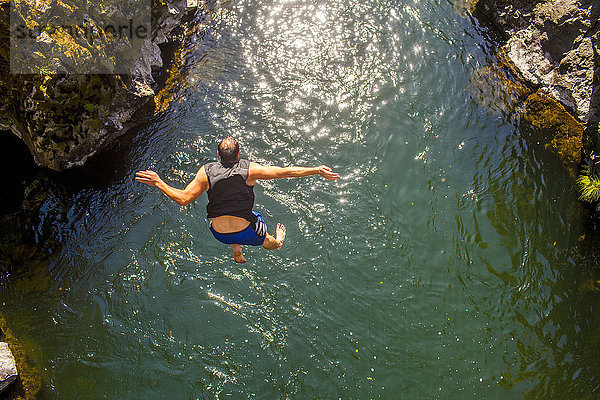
pixel 445 263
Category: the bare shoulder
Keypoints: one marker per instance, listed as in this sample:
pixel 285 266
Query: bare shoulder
pixel 253 166
pixel 257 171
pixel 201 171
pixel 201 175
pixel 254 170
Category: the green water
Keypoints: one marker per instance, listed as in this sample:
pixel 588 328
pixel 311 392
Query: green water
pixel 445 263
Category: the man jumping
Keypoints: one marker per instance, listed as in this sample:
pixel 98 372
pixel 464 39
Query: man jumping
pixel 229 184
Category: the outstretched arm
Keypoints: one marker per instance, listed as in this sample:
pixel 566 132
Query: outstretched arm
pixel 257 171
pixel 182 197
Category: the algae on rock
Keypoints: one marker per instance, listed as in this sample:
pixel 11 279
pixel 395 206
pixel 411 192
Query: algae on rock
pixel 551 46
pixel 561 131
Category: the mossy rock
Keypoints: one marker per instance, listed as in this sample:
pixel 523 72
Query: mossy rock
pixel 30 381
pixel 60 115
pixel 64 119
pixel 558 129
pixel 493 88
pixel 465 7
pixel 91 126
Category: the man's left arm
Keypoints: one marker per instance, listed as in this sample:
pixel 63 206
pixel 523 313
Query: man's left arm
pixel 257 171
pixel 182 197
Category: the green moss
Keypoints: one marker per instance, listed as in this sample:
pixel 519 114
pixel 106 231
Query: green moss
pixel 91 108
pixel 589 188
pixel 588 184
pixel 30 381
pixel 557 128
pixel 554 126
pixel 465 7
pixel 165 96
pixel 92 125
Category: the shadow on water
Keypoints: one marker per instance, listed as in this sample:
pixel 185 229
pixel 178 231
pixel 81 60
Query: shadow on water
pixel 17 167
pixel 543 286
pixel 20 199
pixel 39 208
pixel 108 166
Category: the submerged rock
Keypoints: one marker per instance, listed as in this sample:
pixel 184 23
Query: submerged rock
pixel 492 87
pixel 8 367
pixel 560 130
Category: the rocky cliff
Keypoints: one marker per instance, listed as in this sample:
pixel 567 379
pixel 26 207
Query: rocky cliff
pixel 65 116
pixel 553 46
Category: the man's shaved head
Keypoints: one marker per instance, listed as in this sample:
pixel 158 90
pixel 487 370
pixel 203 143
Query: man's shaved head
pixel 229 149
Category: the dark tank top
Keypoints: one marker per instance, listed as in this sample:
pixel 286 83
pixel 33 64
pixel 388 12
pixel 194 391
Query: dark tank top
pixel 228 193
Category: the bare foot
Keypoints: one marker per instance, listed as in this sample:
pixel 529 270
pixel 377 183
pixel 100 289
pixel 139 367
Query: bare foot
pixel 280 235
pixel 238 257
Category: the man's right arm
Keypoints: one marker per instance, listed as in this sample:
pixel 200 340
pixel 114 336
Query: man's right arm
pixel 257 171
pixel 182 197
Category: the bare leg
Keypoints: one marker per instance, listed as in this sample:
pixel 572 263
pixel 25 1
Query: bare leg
pixel 275 243
pixel 237 253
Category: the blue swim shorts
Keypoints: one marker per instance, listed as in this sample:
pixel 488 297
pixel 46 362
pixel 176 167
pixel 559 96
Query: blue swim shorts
pixel 252 235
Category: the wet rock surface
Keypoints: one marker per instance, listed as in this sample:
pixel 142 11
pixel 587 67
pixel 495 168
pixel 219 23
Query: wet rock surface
pixel 559 130
pixel 8 367
pixel 66 118
pixel 552 46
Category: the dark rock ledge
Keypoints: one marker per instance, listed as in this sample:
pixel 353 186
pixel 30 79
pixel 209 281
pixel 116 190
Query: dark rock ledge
pixel 66 118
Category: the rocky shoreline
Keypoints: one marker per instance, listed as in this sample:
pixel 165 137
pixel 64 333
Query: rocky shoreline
pixel 63 120
pixel 66 118
pixel 553 49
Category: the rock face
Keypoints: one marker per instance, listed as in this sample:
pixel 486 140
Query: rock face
pixel 553 46
pixel 8 368
pixel 65 118
pixel 29 383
